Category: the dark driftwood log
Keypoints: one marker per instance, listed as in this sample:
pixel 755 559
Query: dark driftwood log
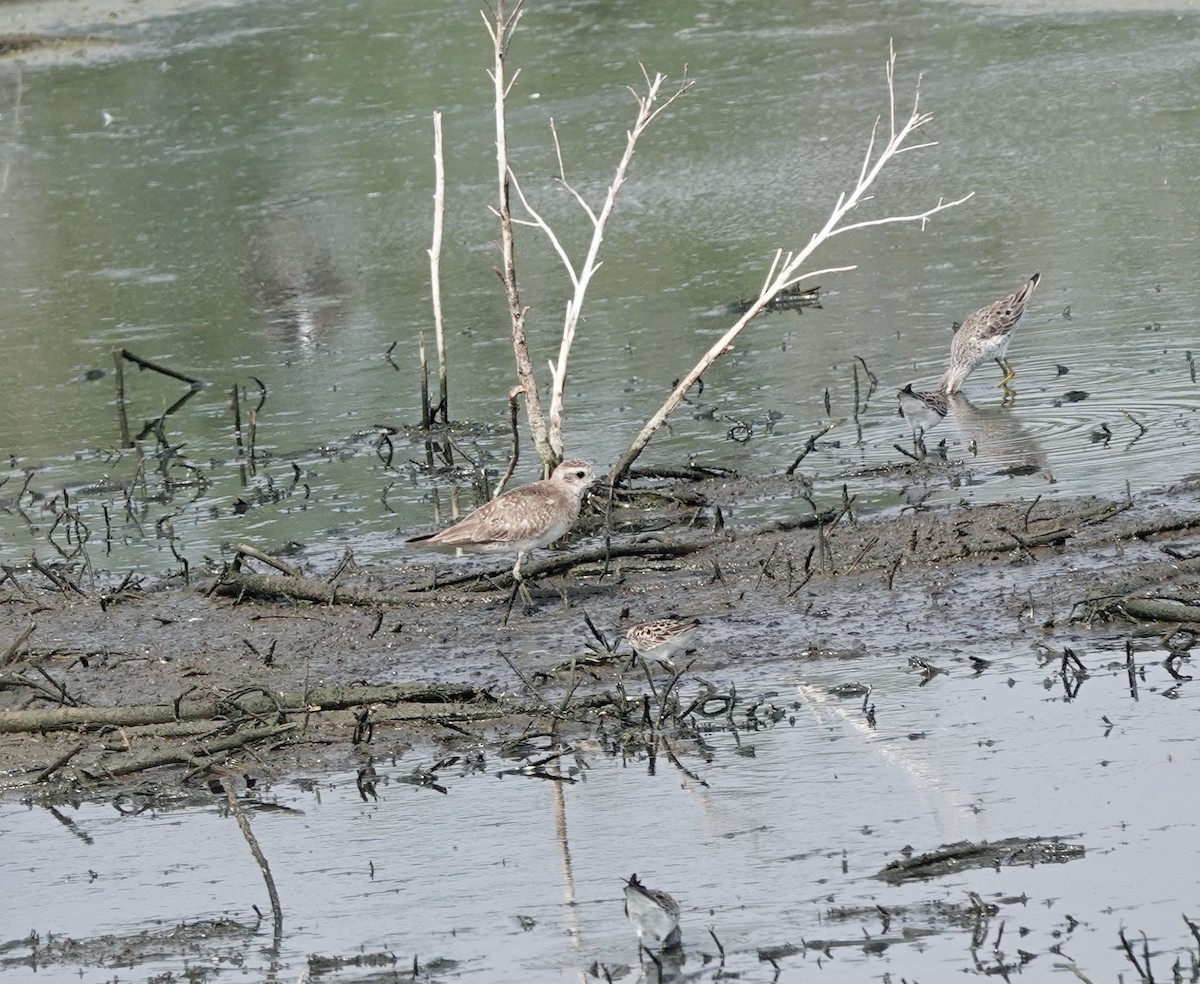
pixel 327 699
pixel 501 579
pixel 1153 610
pixel 243 584
pixel 270 586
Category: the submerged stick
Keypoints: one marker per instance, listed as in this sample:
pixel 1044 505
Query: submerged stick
pixel 811 445
pixel 252 424
pixel 244 823
pixel 122 416
pixel 236 404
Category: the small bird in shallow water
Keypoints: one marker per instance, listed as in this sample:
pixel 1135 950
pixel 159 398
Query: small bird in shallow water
pixel 654 914
pixel 520 519
pixel 923 410
pixel 662 638
pixel 985 335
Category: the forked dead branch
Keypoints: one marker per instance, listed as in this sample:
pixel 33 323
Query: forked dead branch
pixel 548 438
pixel 787 269
pixel 786 272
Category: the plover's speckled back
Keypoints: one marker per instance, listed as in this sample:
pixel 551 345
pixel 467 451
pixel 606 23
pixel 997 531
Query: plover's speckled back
pixel 923 410
pixel 984 336
pixel 522 519
pixel 654 914
pixel 662 638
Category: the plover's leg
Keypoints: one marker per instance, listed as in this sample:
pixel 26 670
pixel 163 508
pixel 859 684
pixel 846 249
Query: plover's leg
pixel 519 582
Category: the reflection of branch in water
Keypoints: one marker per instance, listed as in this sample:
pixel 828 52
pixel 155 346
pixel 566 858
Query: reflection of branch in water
pixel 16 126
pixel 65 820
pixel 999 437
pixel 299 281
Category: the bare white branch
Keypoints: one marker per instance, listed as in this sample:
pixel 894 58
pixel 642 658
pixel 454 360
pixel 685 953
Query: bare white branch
pixel 500 30
pixel 921 217
pixel 540 223
pixel 649 105
pixel 435 257
pixel 562 177
pixel 891 80
pixel 785 270
pixel 511 82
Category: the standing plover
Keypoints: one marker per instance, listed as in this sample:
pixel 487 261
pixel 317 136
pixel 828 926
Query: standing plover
pixel 521 519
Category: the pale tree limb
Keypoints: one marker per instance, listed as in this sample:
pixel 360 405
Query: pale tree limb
pixel 501 28
pixel 786 268
pixel 650 104
pixel 435 257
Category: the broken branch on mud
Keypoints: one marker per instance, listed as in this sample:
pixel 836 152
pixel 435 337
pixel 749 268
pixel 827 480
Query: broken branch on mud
pixel 328 699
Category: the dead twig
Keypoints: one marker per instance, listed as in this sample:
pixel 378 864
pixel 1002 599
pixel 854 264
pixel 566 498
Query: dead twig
pixel 786 269
pixel 11 652
pixel 243 823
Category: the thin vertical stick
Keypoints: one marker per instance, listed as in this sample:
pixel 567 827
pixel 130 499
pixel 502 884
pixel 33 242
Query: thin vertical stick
pixel 426 416
pixel 122 416
pixel 237 431
pixel 435 256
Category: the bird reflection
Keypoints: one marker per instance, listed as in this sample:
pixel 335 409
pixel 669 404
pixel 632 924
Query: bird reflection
pixel 996 435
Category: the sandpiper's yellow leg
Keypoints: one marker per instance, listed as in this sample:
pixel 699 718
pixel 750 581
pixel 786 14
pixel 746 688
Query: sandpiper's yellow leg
pixel 1009 373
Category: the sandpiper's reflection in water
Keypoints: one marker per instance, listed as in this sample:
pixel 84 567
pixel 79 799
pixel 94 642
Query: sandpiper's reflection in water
pixel 996 435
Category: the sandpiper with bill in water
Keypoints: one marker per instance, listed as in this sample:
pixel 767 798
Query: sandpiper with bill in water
pixel 985 336
pixel 654 914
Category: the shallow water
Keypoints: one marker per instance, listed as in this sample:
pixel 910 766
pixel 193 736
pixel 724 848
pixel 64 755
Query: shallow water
pixel 255 205
pixel 519 879
pixel 258 207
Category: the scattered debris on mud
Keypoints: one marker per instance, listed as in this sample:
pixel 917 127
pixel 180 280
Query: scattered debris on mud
pixel 250 670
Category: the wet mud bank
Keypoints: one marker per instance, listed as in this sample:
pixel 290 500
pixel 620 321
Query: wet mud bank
pixel 257 673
